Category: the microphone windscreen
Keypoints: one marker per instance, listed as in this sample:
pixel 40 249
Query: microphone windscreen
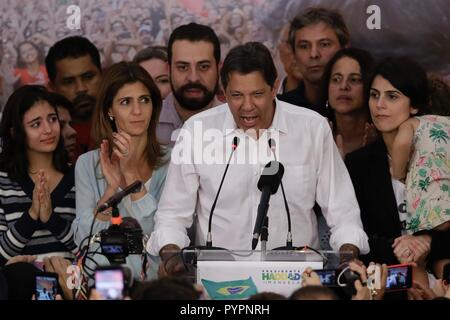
pixel 272 144
pixel 271 176
pixel 235 142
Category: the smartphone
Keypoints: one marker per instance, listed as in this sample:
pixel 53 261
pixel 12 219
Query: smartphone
pixel 109 282
pixel 327 277
pixel 46 286
pixel 399 277
pixel 446 274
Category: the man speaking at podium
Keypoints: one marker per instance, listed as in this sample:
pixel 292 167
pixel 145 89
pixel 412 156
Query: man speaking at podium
pixel 238 133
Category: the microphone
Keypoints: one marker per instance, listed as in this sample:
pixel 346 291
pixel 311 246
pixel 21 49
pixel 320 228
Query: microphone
pixel 272 146
pixel 209 236
pixel 268 184
pixel 116 198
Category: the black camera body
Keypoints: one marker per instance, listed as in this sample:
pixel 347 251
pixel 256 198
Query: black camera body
pixel 118 241
pixel 339 278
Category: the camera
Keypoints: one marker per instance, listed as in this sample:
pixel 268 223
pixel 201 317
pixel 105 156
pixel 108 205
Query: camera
pixel 119 241
pixel 110 282
pixel 46 287
pixel 344 278
pixel 327 277
pixel 399 277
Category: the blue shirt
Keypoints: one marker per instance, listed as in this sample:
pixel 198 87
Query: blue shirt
pixel 91 185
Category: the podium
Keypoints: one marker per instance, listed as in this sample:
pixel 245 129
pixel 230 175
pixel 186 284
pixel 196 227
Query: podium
pixel 236 274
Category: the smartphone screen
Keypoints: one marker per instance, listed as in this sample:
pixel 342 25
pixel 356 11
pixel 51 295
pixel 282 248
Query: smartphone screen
pixel 327 277
pixel 112 248
pixel 109 283
pixel 46 286
pixel 399 277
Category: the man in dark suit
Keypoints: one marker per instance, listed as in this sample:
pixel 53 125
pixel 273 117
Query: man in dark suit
pixel 315 36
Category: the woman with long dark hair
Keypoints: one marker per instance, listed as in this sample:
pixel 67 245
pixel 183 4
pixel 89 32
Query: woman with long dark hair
pixel 125 118
pixel 37 194
pixel 343 83
pixel 398 91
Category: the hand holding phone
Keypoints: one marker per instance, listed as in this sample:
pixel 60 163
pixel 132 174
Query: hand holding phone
pixel 46 286
pixel 109 282
pixel 327 277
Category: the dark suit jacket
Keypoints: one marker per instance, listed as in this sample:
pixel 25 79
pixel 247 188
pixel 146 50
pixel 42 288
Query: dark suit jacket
pixel 369 171
pixel 297 97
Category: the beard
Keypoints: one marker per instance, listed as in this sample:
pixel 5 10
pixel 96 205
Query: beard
pixel 83 106
pixel 194 104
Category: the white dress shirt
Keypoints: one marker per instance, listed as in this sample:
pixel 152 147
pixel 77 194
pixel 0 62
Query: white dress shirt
pixel 314 171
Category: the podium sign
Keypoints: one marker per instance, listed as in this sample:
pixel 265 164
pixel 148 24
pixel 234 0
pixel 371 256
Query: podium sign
pixel 237 275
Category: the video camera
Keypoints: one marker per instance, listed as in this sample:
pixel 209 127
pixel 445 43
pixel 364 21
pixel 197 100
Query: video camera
pixel 119 241
pixel 344 278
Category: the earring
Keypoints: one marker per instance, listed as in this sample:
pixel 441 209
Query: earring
pixel 111 118
pixel 327 105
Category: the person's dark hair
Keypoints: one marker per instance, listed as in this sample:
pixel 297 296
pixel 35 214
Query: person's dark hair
pixel 20 62
pixel 70 47
pixel 21 280
pixel 167 288
pixel 439 96
pixel 246 58
pixel 63 102
pixel 365 61
pixel 313 293
pixel 3 287
pixel 408 77
pixel 194 32
pixel 316 15
pixel 267 295
pixel 155 52
pixel 13 157
pixel 115 77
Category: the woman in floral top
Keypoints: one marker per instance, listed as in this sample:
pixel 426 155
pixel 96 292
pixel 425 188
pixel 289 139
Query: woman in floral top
pixel 422 149
pixel 420 154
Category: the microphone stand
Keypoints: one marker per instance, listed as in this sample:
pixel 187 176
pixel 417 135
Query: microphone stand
pixel 191 258
pixel 264 238
pixel 289 234
pixel 209 235
pixel 116 218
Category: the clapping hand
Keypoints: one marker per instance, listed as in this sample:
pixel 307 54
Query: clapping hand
pixel 41 205
pixel 110 166
pixel 44 199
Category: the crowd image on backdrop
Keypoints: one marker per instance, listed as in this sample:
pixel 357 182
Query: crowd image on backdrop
pixel 352 150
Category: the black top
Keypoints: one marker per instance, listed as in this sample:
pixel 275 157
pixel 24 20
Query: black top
pixel 369 170
pixel 298 98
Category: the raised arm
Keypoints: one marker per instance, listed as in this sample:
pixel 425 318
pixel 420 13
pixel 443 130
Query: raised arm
pixel 401 149
pixel 15 236
pixel 87 195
